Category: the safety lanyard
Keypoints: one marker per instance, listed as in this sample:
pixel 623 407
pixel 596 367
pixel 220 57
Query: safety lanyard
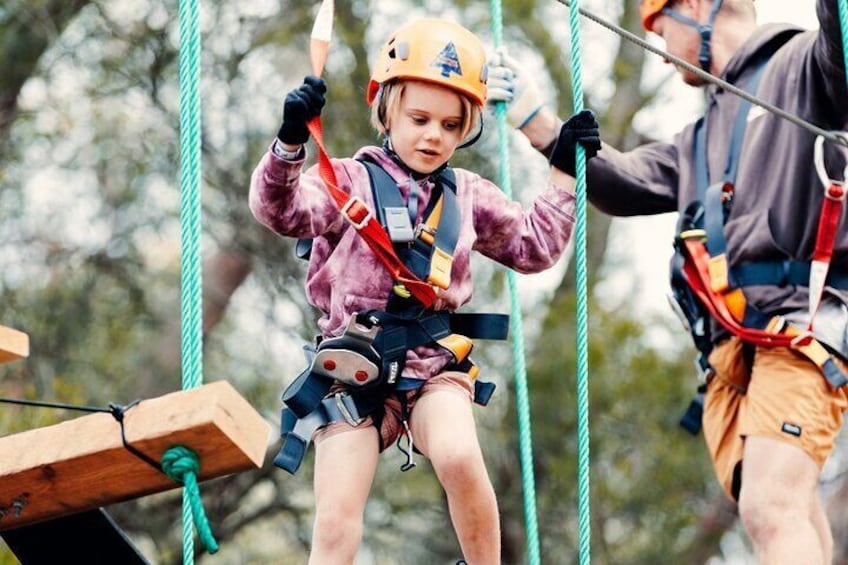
pixel 355 211
pixel 832 206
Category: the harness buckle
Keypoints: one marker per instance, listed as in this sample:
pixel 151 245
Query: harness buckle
pixel 347 411
pixel 425 233
pixel 802 339
pixel 348 211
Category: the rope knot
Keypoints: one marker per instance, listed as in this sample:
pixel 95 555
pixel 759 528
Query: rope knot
pixel 178 461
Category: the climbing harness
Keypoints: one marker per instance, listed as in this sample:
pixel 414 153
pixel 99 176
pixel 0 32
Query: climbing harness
pixel 369 356
pixel 704 285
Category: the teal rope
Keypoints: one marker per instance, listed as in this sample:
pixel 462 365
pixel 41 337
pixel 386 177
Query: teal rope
pixel 182 465
pixel 525 443
pixel 843 24
pixel 190 230
pixel 583 501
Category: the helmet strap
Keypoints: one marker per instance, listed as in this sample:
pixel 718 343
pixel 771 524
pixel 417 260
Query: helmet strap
pixel 704 30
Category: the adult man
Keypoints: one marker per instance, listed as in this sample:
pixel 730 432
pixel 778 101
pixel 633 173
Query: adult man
pixel 770 407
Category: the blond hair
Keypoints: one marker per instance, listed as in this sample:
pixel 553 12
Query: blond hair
pixel 389 97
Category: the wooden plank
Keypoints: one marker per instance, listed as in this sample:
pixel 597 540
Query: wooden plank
pixel 13 344
pixel 82 463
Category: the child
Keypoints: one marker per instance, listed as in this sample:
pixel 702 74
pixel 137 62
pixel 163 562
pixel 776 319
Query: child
pixel 426 94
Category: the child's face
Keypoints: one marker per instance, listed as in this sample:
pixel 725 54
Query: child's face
pixel 426 127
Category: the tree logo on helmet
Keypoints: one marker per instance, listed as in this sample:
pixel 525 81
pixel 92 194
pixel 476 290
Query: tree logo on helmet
pixel 448 61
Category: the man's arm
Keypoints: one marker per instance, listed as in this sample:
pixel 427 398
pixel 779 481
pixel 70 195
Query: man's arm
pixel 828 55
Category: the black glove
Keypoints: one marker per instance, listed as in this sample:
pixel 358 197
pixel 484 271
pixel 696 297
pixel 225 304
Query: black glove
pixel 301 105
pixel 580 128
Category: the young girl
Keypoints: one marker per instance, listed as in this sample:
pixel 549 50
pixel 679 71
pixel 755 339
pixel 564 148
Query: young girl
pixel 426 94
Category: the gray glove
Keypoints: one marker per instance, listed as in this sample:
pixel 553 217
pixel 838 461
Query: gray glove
pixel 512 84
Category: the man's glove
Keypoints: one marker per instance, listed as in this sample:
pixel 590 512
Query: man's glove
pixel 508 82
pixel 580 128
pixel 301 105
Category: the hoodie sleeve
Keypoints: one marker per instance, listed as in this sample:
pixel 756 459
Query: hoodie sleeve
pixel 638 182
pixel 828 56
pixel 292 203
pixel 528 241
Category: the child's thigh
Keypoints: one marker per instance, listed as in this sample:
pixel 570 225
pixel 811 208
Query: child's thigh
pixel 442 421
pixel 345 464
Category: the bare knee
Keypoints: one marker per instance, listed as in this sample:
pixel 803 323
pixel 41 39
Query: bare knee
pixel 766 508
pixel 459 471
pixel 337 530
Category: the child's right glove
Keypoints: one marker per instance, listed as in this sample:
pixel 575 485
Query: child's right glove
pixel 301 105
pixel 580 128
pixel 508 82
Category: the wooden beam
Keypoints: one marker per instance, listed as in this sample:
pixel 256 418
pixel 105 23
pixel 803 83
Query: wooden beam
pixel 13 344
pixel 82 464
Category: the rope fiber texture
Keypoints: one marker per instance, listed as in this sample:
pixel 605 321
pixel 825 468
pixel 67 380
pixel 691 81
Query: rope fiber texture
pixel 584 536
pixel 182 465
pixel 516 325
pixel 191 287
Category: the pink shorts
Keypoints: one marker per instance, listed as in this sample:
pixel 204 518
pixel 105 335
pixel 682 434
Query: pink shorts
pixel 391 427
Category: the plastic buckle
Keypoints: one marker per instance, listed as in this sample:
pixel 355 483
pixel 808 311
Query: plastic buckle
pixel 346 212
pixel 422 229
pixel 704 374
pixel 805 336
pixel 398 224
pixel 340 398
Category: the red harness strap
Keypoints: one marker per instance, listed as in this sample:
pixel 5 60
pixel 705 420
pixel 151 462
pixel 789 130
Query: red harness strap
pixel 363 220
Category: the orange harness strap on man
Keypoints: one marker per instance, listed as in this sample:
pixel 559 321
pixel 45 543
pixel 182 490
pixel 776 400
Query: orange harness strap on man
pixel 704 285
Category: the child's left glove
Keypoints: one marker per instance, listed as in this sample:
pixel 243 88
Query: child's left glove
pixel 580 128
pixel 510 83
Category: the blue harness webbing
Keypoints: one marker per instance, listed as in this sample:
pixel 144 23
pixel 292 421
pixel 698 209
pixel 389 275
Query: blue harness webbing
pixel 705 217
pixel 404 325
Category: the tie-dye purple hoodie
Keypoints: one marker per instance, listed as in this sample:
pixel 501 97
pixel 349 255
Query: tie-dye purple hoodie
pixel 344 276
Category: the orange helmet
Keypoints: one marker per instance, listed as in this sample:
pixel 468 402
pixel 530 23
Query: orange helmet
pixel 436 51
pixel 650 9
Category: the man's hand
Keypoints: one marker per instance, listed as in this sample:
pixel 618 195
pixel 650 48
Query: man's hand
pixel 512 84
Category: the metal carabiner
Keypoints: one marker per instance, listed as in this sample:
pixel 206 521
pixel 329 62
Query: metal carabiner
pixel 410 451
pixel 818 159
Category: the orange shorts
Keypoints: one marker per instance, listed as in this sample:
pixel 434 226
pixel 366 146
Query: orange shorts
pixel 782 395
pixel 391 427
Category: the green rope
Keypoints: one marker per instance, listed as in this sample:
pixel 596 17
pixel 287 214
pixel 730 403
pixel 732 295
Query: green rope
pixel 190 235
pixel 516 330
pixel 843 21
pixel 583 501
pixel 182 465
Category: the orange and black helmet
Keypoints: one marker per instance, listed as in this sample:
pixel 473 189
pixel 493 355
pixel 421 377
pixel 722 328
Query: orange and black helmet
pixel 433 50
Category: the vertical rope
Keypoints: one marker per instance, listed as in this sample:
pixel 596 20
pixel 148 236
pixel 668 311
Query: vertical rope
pixel 190 224
pixel 583 500
pixel 843 24
pixel 525 443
